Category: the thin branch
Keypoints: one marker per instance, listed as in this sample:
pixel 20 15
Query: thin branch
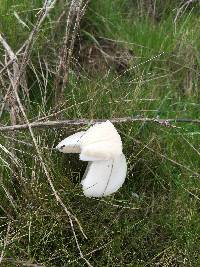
pixel 79 122
pixel 12 77
pixel 75 14
pixel 14 111
pixel 32 38
pixel 77 244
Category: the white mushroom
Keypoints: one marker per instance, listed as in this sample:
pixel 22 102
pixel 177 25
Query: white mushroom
pixel 101 145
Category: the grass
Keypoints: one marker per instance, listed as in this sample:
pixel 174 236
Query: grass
pixel 154 218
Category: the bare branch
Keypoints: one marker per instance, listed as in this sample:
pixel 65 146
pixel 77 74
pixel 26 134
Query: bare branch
pixel 79 122
pixel 12 77
pixel 32 38
pixel 10 96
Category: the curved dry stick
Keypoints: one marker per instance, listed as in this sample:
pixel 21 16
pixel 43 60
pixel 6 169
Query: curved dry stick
pixel 79 122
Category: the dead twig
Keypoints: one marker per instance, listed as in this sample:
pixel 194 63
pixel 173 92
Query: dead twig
pixel 75 14
pixel 79 122
pixel 12 77
pixel 11 99
pixel 32 38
